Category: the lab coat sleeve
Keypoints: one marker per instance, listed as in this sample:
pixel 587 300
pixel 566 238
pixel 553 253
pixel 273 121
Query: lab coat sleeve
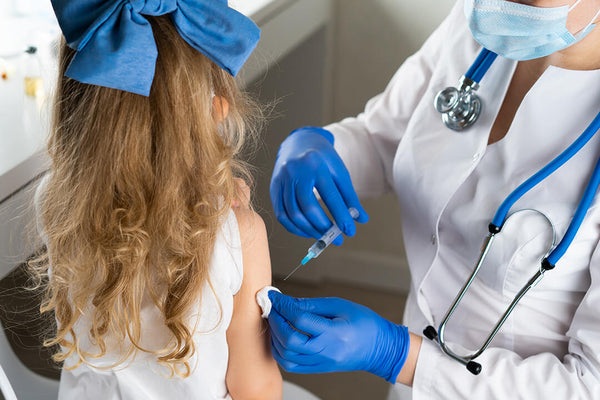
pixel 367 143
pixel 506 375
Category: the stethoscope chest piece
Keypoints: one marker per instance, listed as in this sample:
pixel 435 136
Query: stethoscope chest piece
pixel 459 108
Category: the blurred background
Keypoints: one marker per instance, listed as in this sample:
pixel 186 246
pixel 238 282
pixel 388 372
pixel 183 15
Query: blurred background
pixel 318 61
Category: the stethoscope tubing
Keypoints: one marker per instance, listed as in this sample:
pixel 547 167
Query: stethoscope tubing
pixel 542 174
pixel 584 205
pixel 482 63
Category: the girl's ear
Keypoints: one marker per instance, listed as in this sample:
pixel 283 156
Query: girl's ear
pixel 220 108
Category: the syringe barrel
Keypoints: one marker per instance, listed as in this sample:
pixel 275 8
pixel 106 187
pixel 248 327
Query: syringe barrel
pixel 330 235
pixel 317 248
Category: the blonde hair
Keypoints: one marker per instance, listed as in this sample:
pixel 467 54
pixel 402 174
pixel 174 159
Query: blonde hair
pixel 139 187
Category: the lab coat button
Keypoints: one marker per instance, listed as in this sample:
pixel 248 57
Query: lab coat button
pixel 433 240
pixel 476 156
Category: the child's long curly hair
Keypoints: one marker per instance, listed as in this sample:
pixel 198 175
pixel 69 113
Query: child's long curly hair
pixel 138 189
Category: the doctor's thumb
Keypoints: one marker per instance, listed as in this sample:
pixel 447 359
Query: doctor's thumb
pixel 327 307
pixel 288 306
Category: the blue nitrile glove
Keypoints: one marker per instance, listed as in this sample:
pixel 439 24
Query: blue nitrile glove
pixel 332 334
pixel 307 160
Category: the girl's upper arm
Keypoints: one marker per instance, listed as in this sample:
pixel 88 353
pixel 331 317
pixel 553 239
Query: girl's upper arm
pixel 252 371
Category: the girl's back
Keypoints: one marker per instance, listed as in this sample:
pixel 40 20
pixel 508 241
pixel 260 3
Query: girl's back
pixel 142 376
pixel 144 255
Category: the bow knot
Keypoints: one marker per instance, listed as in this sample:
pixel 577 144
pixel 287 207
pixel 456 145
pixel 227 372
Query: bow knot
pixel 153 7
pixel 115 45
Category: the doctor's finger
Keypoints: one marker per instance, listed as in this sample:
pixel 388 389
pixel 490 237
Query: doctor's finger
pixel 327 308
pixel 280 350
pixel 311 208
pixel 276 193
pixel 289 226
pixel 287 352
pixel 295 357
pixel 281 331
pixel 336 204
pixel 294 213
pixel 287 337
pixel 346 188
pixel 288 366
pixel 291 366
pixel 296 312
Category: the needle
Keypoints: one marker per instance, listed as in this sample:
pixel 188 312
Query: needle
pixel 292 273
pixel 321 244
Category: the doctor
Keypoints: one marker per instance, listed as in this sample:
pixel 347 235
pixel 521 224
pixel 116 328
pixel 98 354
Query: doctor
pixel 538 96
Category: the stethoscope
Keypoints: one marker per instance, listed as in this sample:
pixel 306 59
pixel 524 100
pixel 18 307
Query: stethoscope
pixel 460 109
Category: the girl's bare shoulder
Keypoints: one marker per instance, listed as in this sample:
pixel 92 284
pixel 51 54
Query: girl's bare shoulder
pixel 255 247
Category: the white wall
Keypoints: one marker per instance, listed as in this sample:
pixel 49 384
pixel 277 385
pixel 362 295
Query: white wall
pixel 372 38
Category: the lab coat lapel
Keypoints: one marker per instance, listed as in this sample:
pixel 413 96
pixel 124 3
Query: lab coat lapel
pixel 441 159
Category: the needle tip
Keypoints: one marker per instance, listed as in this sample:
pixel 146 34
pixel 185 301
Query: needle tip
pixel 291 273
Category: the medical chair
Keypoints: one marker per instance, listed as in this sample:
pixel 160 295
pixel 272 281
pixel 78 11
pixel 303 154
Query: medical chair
pixel 27 384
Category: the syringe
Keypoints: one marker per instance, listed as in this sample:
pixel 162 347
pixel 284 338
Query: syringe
pixel 321 244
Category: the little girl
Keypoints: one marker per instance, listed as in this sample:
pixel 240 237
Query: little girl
pixel 151 273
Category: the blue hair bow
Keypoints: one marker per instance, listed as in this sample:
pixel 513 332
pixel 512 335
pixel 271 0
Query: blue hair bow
pixel 116 48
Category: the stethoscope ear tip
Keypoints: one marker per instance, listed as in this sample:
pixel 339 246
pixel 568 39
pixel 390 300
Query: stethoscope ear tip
pixel 430 333
pixel 474 367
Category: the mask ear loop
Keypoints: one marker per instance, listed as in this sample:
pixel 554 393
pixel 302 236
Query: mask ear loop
pixel 591 21
pixel 590 24
pixel 574 5
pixel 594 18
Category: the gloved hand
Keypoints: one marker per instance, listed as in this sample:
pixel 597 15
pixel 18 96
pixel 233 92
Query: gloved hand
pixel 332 334
pixel 307 160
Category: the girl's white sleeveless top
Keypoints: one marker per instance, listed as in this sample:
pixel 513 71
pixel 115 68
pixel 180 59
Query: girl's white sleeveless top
pixel 141 377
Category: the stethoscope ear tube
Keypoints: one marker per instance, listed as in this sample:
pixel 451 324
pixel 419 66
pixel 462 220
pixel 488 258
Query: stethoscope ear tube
pixel 482 63
pixel 542 174
pixel 582 209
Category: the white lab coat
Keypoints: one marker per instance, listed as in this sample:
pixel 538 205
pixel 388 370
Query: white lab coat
pixel 550 347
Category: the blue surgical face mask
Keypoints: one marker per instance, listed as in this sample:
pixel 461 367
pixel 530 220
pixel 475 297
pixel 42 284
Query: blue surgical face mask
pixel 521 32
